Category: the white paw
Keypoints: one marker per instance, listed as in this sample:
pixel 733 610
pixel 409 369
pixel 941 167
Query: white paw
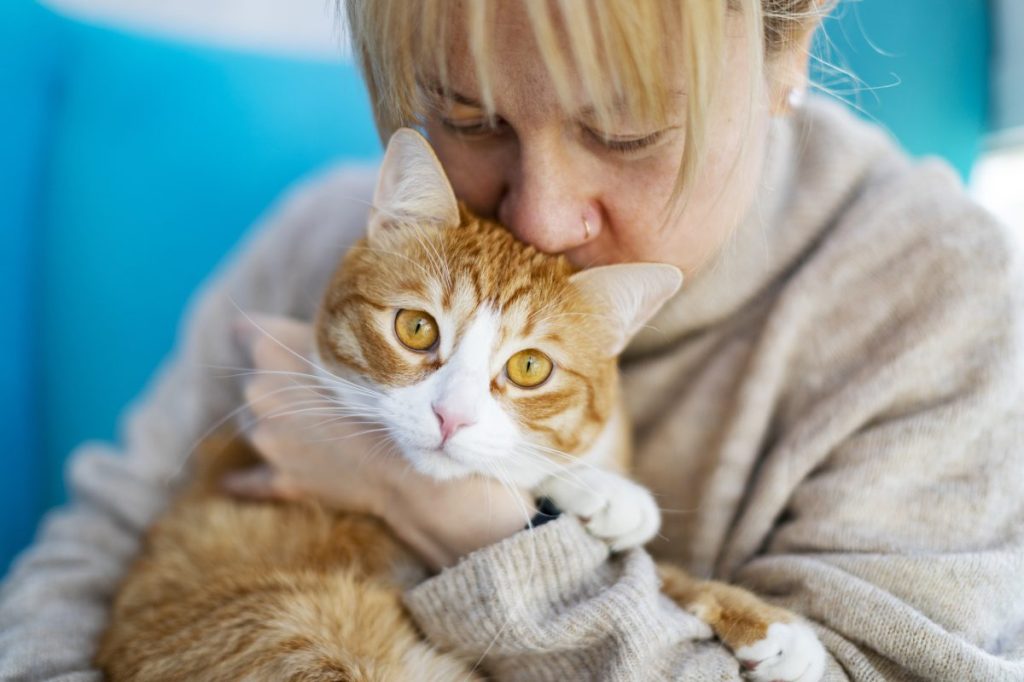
pixel 791 653
pixel 612 507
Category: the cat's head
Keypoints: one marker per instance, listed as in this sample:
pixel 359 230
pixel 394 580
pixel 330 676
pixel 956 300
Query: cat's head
pixel 475 351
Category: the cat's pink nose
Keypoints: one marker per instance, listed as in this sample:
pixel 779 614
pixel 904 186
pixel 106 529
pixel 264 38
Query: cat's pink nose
pixel 451 421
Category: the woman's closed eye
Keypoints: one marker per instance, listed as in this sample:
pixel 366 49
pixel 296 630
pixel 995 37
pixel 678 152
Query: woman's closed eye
pixel 474 128
pixel 625 144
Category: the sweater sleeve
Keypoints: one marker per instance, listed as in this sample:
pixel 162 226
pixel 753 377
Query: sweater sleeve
pixel 55 601
pixel 551 604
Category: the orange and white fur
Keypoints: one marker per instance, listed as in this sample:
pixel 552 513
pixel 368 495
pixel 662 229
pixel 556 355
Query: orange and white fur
pixel 479 355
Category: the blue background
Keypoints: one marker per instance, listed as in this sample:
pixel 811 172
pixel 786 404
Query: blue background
pixel 131 164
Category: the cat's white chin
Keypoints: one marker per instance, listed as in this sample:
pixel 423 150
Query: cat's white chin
pixel 437 464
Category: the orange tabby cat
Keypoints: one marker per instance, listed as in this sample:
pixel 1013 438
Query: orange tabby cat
pixel 479 355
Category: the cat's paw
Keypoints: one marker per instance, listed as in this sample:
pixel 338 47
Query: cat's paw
pixel 611 507
pixel 790 652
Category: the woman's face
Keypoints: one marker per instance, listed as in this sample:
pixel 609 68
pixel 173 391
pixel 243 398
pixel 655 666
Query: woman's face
pixel 542 171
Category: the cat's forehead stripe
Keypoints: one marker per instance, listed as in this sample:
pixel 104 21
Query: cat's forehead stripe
pixel 478 339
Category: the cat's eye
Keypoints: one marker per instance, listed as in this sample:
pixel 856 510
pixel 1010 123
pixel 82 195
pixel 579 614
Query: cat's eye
pixel 416 329
pixel 529 368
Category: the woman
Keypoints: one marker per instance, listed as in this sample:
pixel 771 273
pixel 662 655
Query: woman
pixel 830 412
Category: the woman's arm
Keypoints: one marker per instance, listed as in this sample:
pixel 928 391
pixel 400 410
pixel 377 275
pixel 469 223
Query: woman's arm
pixel 54 603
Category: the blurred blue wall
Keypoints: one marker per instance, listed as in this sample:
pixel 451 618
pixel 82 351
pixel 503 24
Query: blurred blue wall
pixel 130 165
pixel 26 90
pixel 918 67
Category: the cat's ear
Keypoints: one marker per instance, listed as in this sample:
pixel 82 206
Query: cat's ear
pixel 412 186
pixel 627 296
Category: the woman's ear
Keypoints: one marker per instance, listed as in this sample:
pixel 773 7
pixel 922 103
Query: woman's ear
pixel 788 70
pixel 412 187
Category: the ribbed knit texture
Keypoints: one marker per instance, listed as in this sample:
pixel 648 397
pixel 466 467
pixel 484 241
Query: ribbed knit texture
pixel 832 416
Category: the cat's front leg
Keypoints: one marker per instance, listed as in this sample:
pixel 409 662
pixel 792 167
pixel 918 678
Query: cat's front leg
pixel 611 507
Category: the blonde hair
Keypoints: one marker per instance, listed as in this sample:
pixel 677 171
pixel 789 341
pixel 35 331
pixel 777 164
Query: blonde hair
pixel 618 50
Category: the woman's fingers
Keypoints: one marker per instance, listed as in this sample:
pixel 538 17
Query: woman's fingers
pixel 282 379
pixel 269 394
pixel 276 343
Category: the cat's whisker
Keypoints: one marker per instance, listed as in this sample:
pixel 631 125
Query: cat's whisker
pixel 347 436
pixel 216 426
pixel 334 421
pixel 383 448
pixel 376 249
pixel 293 411
pixel 323 370
pixel 315 399
pixel 320 395
pixel 338 389
pixel 571 461
pixel 330 417
pixel 550 468
pixel 553 316
pixel 550 311
pixel 505 480
pixel 571 478
pixel 425 241
pixel 574 460
pixel 322 382
pixel 442 262
pixel 335 403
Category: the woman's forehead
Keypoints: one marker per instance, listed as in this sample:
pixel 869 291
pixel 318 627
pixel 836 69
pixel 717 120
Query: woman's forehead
pixel 521 86
pixel 518 64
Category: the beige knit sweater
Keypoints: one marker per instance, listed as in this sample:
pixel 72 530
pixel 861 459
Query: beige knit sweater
pixel 832 417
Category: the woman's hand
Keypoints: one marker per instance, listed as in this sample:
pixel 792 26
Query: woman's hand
pixel 311 452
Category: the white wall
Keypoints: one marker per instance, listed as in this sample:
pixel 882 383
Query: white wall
pixel 1008 64
pixel 300 27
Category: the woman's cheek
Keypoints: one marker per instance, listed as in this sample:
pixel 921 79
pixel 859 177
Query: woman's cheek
pixel 474 170
pixel 478 184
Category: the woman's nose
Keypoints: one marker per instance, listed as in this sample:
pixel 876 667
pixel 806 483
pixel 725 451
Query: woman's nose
pixel 548 205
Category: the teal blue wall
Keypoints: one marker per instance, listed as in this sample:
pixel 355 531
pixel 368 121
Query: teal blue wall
pixel 131 164
pixel 919 67
pixel 163 154
pixel 26 88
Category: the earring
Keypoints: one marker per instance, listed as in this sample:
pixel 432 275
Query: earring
pixel 586 229
pixel 796 97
